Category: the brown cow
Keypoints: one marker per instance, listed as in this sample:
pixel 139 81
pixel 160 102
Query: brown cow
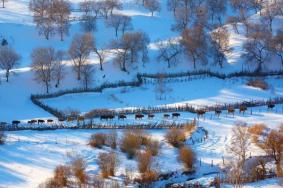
pixel 139 116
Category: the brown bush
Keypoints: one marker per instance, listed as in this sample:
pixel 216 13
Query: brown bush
pixel 261 84
pixel 175 137
pixel 130 143
pixel 187 156
pixel 149 177
pixel 111 140
pixel 61 175
pixel 78 167
pixel 144 161
pixel 107 163
pixel 97 140
pixel 153 147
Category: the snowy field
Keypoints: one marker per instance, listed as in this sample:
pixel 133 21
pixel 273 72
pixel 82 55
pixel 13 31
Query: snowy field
pixel 29 157
pixel 193 92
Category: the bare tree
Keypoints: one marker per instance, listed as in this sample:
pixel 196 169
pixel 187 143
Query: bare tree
pixel 152 6
pixel 257 46
pixel 91 11
pixel 126 24
pixel 87 71
pixel 79 51
pixel 169 51
pixel 59 68
pixel 233 20
pixel 42 65
pixel 129 47
pixel 119 22
pixel 115 21
pixel 107 7
pixel 113 4
pixel 238 148
pixel 195 42
pixel 43 16
pixel 256 5
pixel 182 19
pixel 101 54
pixel 172 5
pixel 217 8
pixel 277 46
pixel 61 13
pixel 3 3
pixel 273 146
pixel 8 60
pixel 269 12
pixel 220 43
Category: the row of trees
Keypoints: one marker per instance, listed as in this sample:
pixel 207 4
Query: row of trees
pixel 51 16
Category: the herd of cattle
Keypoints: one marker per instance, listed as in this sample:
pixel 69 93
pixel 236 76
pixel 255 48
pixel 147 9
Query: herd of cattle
pixel 140 116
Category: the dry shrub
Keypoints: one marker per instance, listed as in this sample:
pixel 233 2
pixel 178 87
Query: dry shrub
pixel 107 163
pixel 97 140
pixel 175 137
pixel 149 177
pixel 216 182
pixel 130 143
pixel 261 84
pixel 78 167
pixel 187 156
pixel 61 175
pixel 111 140
pixel 144 161
pixel 153 147
pixel 189 127
pixel 281 128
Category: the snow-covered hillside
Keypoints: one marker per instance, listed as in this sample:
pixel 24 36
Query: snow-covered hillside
pixel 28 158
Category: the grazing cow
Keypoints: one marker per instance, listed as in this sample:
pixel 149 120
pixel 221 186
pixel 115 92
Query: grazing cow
pixel 61 119
pixel 176 115
pixel 270 105
pixel 218 112
pixel 32 121
pixel 122 116
pixel 150 116
pixel 201 112
pixel 16 122
pixel 50 121
pixel 231 110
pixel 139 116
pixel 107 117
pixel 242 109
pixel 40 121
pixel 166 116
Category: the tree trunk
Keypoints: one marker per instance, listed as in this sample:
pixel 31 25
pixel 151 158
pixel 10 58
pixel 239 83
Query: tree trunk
pixel 7 75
